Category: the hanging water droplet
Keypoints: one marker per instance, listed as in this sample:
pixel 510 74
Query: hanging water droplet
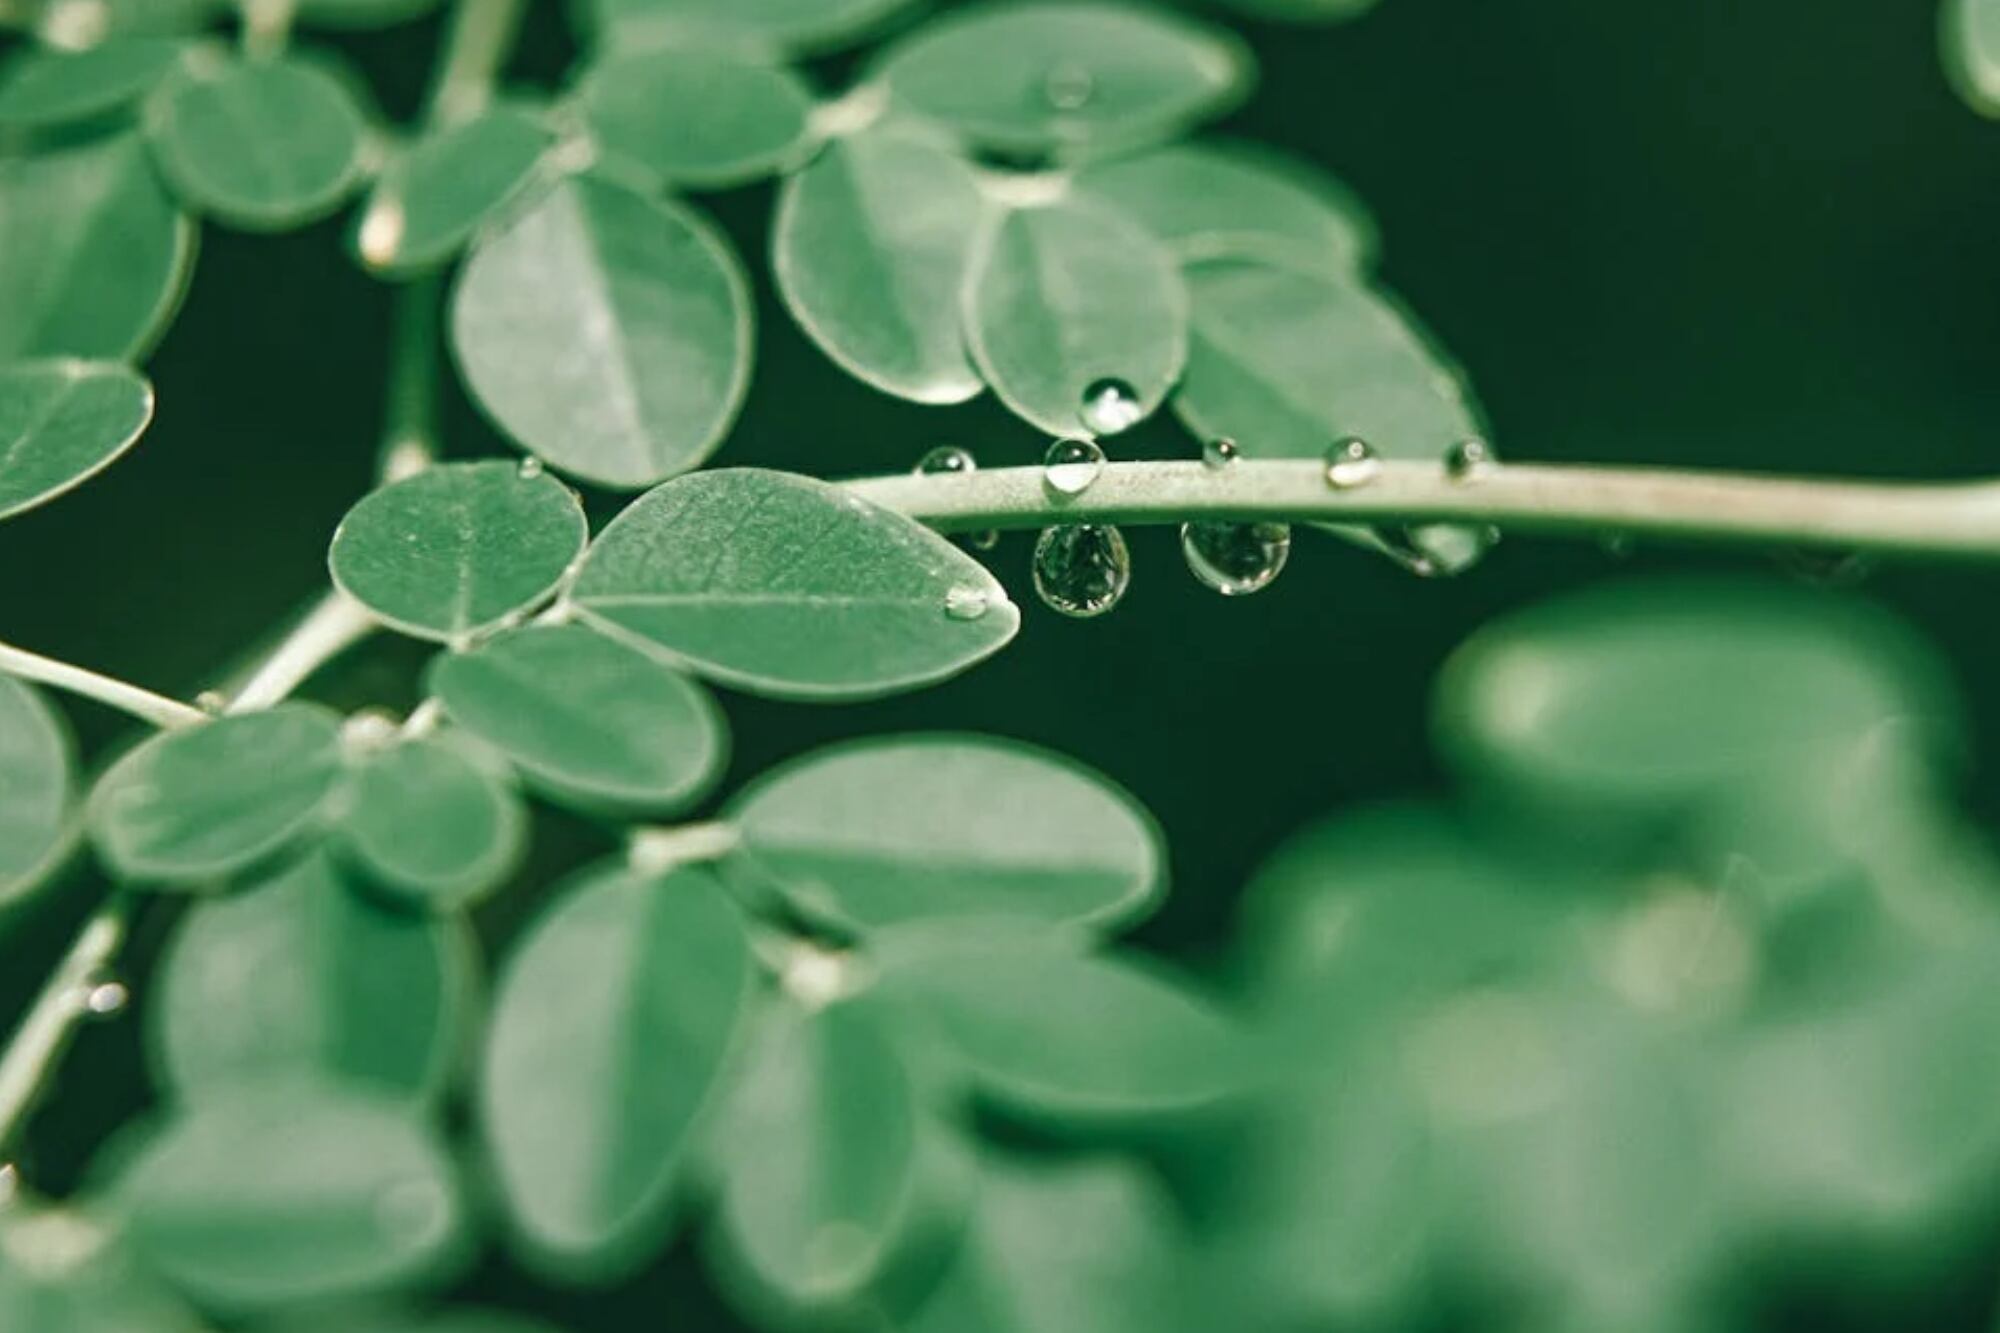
pixel 1070 466
pixel 1350 463
pixel 1111 406
pixel 104 997
pixel 1219 453
pixel 1068 87
pixel 966 603
pixel 1236 559
pixel 530 468
pixel 1468 459
pixel 1082 569
pixel 982 541
pixel 946 458
pixel 1435 550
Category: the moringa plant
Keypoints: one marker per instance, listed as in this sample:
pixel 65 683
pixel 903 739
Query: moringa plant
pixel 1691 980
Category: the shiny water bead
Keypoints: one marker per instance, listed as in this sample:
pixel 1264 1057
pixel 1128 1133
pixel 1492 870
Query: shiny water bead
pixel 1111 406
pixel 1236 559
pixel 1219 453
pixel 944 459
pixel 1468 459
pixel 1070 466
pixel 1068 87
pixel 530 468
pixel 1082 569
pixel 966 603
pixel 1350 463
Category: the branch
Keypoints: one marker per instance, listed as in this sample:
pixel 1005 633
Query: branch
pixel 51 1021
pixel 336 623
pixel 141 703
pixel 1942 519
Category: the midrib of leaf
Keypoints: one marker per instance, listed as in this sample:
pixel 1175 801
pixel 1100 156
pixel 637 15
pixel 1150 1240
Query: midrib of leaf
pixel 40 419
pixel 585 261
pixel 583 721
pixel 101 184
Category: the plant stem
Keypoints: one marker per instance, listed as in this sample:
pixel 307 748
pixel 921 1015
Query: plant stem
pixel 409 426
pixel 143 704
pixel 1939 519
pixel 52 1019
pixel 336 623
pixel 481 36
pixel 656 848
pixel 267 27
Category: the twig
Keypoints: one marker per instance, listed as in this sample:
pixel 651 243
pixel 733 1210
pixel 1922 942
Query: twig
pixel 141 703
pixel 336 623
pixel 52 1019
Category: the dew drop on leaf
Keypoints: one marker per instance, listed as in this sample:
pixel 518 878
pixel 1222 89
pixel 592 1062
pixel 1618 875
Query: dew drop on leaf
pixel 1350 463
pixel 1070 466
pixel 530 468
pixel 966 603
pixel 1111 406
pixel 1469 459
pixel 1082 569
pixel 1236 559
pixel 1219 453
pixel 1068 87
pixel 946 458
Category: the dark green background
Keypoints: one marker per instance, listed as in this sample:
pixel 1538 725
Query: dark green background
pixel 1731 233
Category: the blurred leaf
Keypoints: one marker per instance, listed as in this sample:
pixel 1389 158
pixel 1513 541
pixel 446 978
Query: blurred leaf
pixel 1228 199
pixel 439 190
pixel 37 790
pixel 63 1271
pixel 703 118
pixel 288 1193
pixel 611 1026
pixel 607 332
pixel 870 250
pixel 61 422
pixel 880 831
pixel 303 976
pixel 784 586
pixel 458 548
pixel 192 805
pixel 1059 77
pixel 264 145
pixel 781 24
pixel 1970 31
pixel 42 87
pixel 427 823
pixel 93 254
pixel 587 719
pixel 1065 297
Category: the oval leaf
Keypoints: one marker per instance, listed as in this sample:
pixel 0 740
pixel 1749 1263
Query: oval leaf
pixel 458 548
pixel 43 87
pixel 93 254
pixel 612 1023
pixel 588 720
pixel 263 144
pixel 1971 33
pixel 877 832
pixel 197 804
pixel 37 789
pixel 705 118
pixel 301 975
pixel 1064 296
pixel 788 24
pixel 426 822
pixel 606 332
pixel 786 586
pixel 62 422
pixel 434 194
pixel 870 250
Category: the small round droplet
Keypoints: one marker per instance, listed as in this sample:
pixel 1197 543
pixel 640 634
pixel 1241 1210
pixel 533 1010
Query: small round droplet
pixel 212 702
pixel 966 603
pixel 1082 569
pixel 946 458
pixel 1068 87
pixel 105 998
pixel 367 732
pixel 1110 406
pixel 1219 453
pixel 984 540
pixel 530 468
pixel 1236 559
pixel 1070 466
pixel 1350 463
pixel 1469 459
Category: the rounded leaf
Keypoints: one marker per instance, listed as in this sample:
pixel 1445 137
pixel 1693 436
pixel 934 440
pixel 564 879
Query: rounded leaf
pixel 303 976
pixel 789 587
pixel 426 822
pixel 199 803
pixel 42 87
pixel 588 720
pixel 63 1270
pixel 700 117
pixel 1063 297
pixel 438 191
pixel 61 422
pixel 458 548
pixel 611 1025
pixel 93 254
pixel 607 332
pixel 763 24
pixel 870 250
pixel 37 789
pixel 877 832
pixel 261 144
pixel 1970 30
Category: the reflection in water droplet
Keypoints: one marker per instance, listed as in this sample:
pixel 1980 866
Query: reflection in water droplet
pixel 1469 459
pixel 946 458
pixel 1068 87
pixel 966 603
pixel 1236 559
pixel 530 468
pixel 1436 550
pixel 1070 466
pixel 1219 453
pixel 1350 463
pixel 1110 406
pixel 1082 569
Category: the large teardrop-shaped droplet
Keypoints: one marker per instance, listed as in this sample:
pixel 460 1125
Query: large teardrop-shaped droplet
pixel 1070 466
pixel 1082 569
pixel 1436 550
pixel 1111 405
pixel 1236 559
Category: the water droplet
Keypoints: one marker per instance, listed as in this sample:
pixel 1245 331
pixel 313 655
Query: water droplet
pixel 946 458
pixel 1070 466
pixel 1436 550
pixel 368 731
pixel 1068 87
pixel 1219 453
pixel 104 997
pixel 212 702
pixel 381 232
pixel 1469 459
pixel 1236 559
pixel 1350 463
pixel 966 603
pixel 1110 406
pixel 530 468
pixel 982 541
pixel 1082 569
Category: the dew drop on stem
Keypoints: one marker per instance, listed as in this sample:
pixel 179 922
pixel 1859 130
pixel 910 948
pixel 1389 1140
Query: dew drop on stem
pixel 1070 466
pixel 1068 87
pixel 1219 453
pixel 1469 459
pixel 946 458
pixel 1111 405
pixel 1351 463
pixel 1236 559
pixel 530 468
pixel 1082 569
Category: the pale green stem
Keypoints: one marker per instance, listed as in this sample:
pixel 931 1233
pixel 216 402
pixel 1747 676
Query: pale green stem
pixel 661 848
pixel 481 37
pixel 51 1021
pixel 143 704
pixel 409 427
pixel 267 27
pixel 1940 519
pixel 336 623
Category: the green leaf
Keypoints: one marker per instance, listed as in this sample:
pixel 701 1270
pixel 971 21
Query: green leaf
pixel 433 195
pixel 64 1271
pixel 589 721
pixel 458 548
pixel 1009 1010
pixel 1226 199
pixel 1065 296
pixel 1970 30
pixel 264 144
pixel 612 1024
pixel 819 1152
pixel 303 976
pixel 1285 362
pixel 37 789
pixel 200 803
pixel 41 87
pixel 348 15
pixel 877 832
pixel 62 422
pixel 789 587
pixel 457 1319
pixel 93 254
pixel 426 822
pixel 1061 77
pixel 287 1193
pixel 607 332
pixel 870 250
pixel 783 24
pixel 705 118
